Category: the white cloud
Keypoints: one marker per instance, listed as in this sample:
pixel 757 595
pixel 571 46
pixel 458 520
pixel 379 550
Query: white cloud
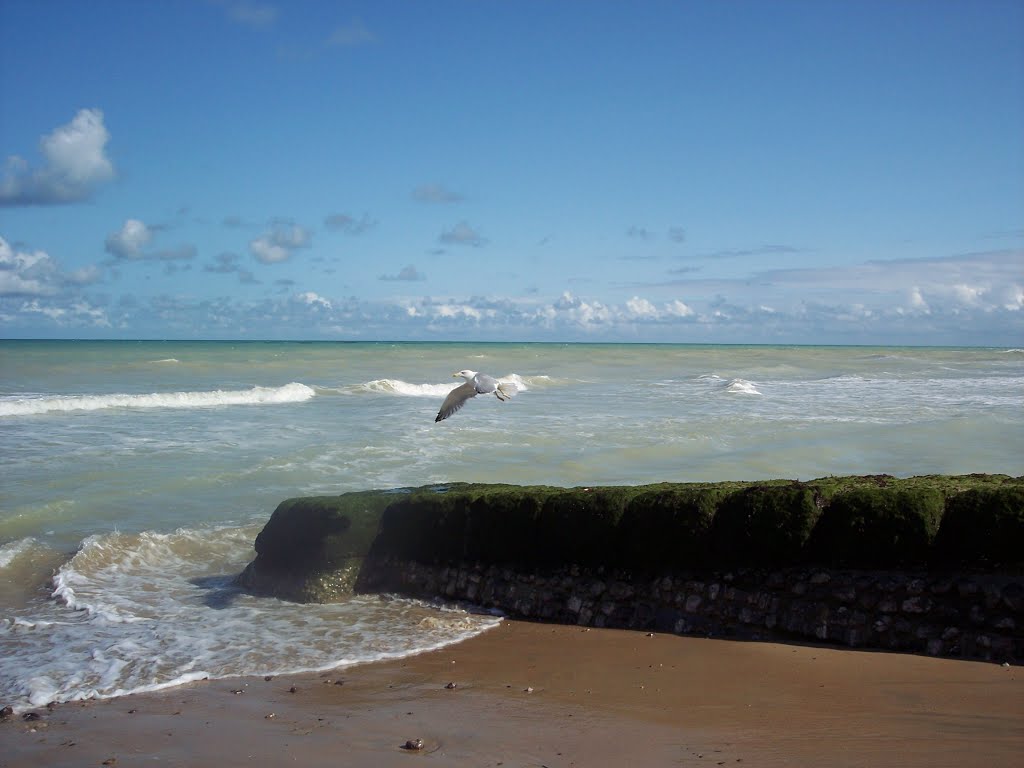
pixel 267 252
pixel 75 163
pixel 916 300
pixel 35 273
pixel 89 314
pixel 77 314
pixel 641 307
pixel 313 300
pixel 342 222
pixel 20 272
pixel 577 312
pixel 457 310
pixel 967 294
pixel 278 245
pixel 975 300
pixel 34 307
pixel 462 234
pixel 676 308
pixel 1010 296
pixel 13 284
pixel 128 242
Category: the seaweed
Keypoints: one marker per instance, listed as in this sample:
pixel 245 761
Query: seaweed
pixel 310 546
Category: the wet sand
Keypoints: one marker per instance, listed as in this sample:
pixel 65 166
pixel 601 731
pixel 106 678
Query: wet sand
pixel 543 695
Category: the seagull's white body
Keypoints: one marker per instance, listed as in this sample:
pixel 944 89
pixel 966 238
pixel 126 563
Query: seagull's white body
pixel 476 384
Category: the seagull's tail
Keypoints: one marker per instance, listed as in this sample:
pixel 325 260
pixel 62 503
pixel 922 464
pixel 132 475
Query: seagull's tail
pixel 505 391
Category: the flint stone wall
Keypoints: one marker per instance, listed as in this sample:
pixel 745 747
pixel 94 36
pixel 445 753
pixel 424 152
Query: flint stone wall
pixel 973 616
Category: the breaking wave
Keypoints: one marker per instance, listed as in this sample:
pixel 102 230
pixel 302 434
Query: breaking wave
pixel 408 389
pixel 30 406
pixel 147 611
pixel 742 387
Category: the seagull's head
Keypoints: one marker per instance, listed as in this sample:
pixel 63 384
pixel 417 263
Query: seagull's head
pixel 467 375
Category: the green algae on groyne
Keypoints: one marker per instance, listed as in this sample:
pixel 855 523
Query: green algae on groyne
pixel 315 548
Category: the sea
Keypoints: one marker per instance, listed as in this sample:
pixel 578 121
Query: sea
pixel 135 475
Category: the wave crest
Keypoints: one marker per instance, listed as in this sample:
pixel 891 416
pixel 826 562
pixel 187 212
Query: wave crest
pixel 13 550
pixel 408 389
pixel 289 393
pixel 742 387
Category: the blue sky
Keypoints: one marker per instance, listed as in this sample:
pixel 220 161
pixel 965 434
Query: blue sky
pixel 734 171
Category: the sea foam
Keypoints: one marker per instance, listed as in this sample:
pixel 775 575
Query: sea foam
pixel 13 550
pixel 408 389
pixel 31 406
pixel 742 387
pixel 143 611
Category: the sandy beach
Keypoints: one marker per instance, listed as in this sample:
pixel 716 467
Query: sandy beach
pixel 528 694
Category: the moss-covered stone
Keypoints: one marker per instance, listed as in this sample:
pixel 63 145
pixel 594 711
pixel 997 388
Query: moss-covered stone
pixel 878 527
pixel 983 527
pixel 764 525
pixel 312 548
pixel 579 526
pixel 668 526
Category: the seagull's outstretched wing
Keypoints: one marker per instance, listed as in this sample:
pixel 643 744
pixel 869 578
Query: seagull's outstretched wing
pixel 456 399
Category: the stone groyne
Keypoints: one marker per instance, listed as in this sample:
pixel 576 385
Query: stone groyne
pixel 966 615
pixel 928 564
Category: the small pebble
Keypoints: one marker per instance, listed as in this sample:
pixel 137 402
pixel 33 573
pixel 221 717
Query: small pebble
pixel 339 682
pixel 269 717
pixel 268 678
pixel 413 744
pixel 293 689
pixel 529 689
pixel 452 686
pixel 30 716
pixel 237 691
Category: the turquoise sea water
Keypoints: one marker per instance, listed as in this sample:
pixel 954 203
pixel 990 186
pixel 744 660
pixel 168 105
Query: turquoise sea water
pixel 137 474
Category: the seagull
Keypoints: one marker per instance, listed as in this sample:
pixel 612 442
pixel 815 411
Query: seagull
pixel 476 384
